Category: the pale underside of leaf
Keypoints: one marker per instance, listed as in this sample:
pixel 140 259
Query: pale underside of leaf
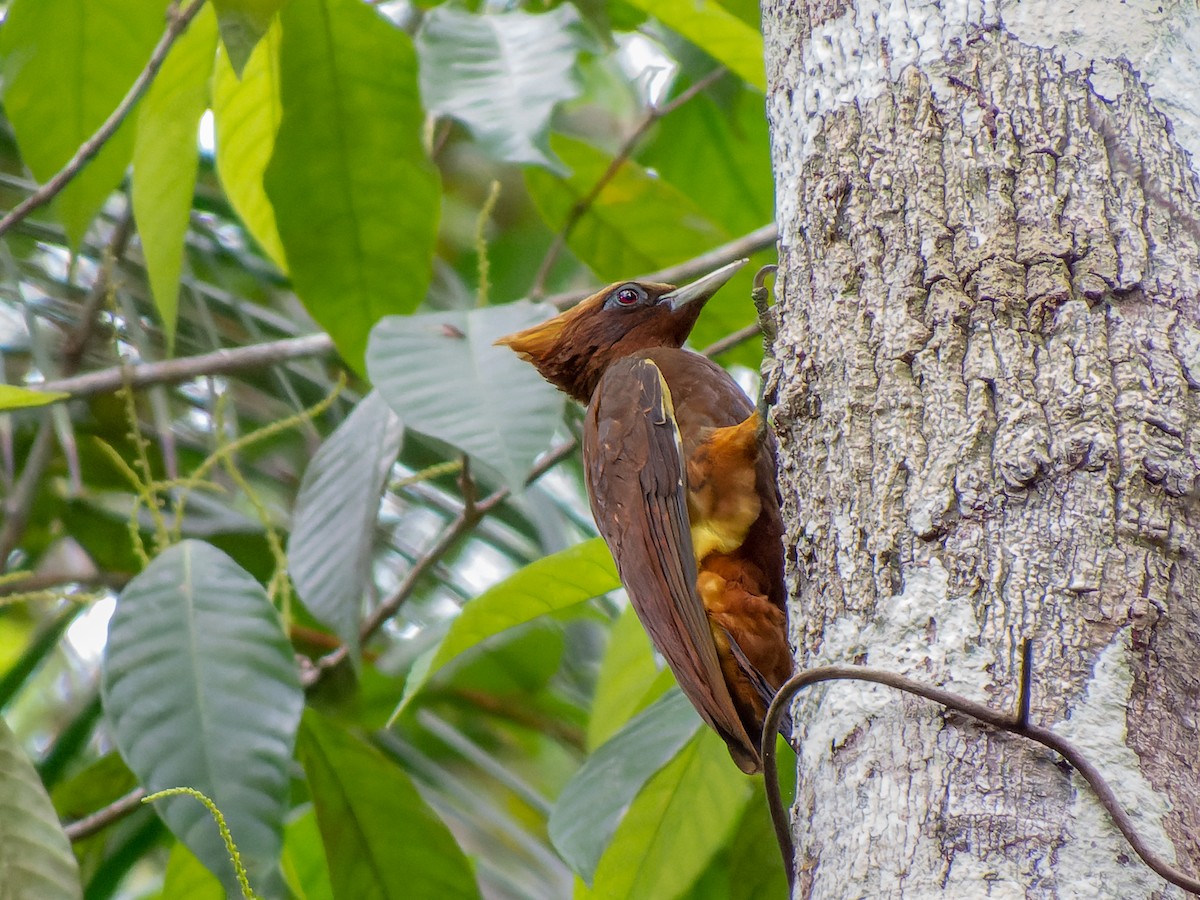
pixel 35 856
pixel 442 375
pixel 188 635
pixel 339 495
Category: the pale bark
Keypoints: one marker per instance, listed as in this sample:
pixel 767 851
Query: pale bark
pixel 989 420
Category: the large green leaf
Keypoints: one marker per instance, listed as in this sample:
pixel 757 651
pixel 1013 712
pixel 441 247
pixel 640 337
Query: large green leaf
pixel 590 806
pixel 627 668
pixel 304 865
pixel 755 867
pixel 67 64
pixel 638 223
pixel 382 840
pixel 12 397
pixel 680 820
pixel 35 856
pixel 356 198
pixel 186 878
pixel 502 75
pixel 547 585
pixel 201 691
pixel 243 24
pixel 442 375
pixel 165 160
pixel 720 155
pixel 716 31
pixel 246 114
pixel 339 496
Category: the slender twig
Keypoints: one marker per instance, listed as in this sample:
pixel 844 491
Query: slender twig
pixel 727 343
pixel 1016 723
pixel 16 507
pixel 747 245
pixel 102 818
pixel 178 20
pixel 118 241
pixel 580 208
pixel 168 371
pixel 468 517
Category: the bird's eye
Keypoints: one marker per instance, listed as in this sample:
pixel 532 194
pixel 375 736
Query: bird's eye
pixel 628 296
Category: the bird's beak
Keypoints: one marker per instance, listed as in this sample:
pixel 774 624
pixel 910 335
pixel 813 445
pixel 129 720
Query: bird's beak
pixel 701 289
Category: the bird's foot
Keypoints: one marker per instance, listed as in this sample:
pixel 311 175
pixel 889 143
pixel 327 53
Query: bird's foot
pixel 768 324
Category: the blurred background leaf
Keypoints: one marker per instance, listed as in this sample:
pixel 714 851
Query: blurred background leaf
pixel 289 179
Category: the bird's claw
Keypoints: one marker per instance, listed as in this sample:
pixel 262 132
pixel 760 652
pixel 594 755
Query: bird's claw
pixel 768 325
pixel 766 316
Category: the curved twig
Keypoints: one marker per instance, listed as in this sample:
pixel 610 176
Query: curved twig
pixel 1017 723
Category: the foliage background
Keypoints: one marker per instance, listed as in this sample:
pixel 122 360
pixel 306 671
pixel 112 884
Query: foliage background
pixel 374 626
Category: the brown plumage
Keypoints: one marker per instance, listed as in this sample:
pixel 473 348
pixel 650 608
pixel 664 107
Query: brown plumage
pixel 682 485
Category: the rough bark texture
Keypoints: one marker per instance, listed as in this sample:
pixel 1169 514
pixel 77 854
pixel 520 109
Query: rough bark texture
pixel 989 420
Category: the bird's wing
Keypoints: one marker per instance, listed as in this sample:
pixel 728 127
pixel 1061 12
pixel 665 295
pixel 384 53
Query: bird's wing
pixel 638 488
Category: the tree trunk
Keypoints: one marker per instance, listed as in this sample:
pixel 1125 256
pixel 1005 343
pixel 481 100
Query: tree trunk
pixel 989 420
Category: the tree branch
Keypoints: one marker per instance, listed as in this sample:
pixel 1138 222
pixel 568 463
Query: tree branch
pixel 468 517
pixel 102 818
pixel 217 362
pixel 1016 723
pixel 177 23
pixel 716 348
pixel 580 208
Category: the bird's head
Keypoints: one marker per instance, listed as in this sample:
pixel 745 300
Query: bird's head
pixel 573 349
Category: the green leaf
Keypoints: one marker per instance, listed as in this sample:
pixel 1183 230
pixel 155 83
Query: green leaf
pixel 12 397
pixel 721 154
pixel 304 866
pixel 547 585
pixel 67 64
pixel 627 668
pixel 637 224
pixel 502 75
pixel 246 115
pixel 382 840
pixel 679 821
pixel 442 375
pixel 755 866
pixel 356 198
pixel 339 495
pixel 590 806
pixel 166 158
pixel 716 31
pixel 749 866
pixel 35 855
pixel 186 878
pixel 201 690
pixel 749 11
pixel 243 24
